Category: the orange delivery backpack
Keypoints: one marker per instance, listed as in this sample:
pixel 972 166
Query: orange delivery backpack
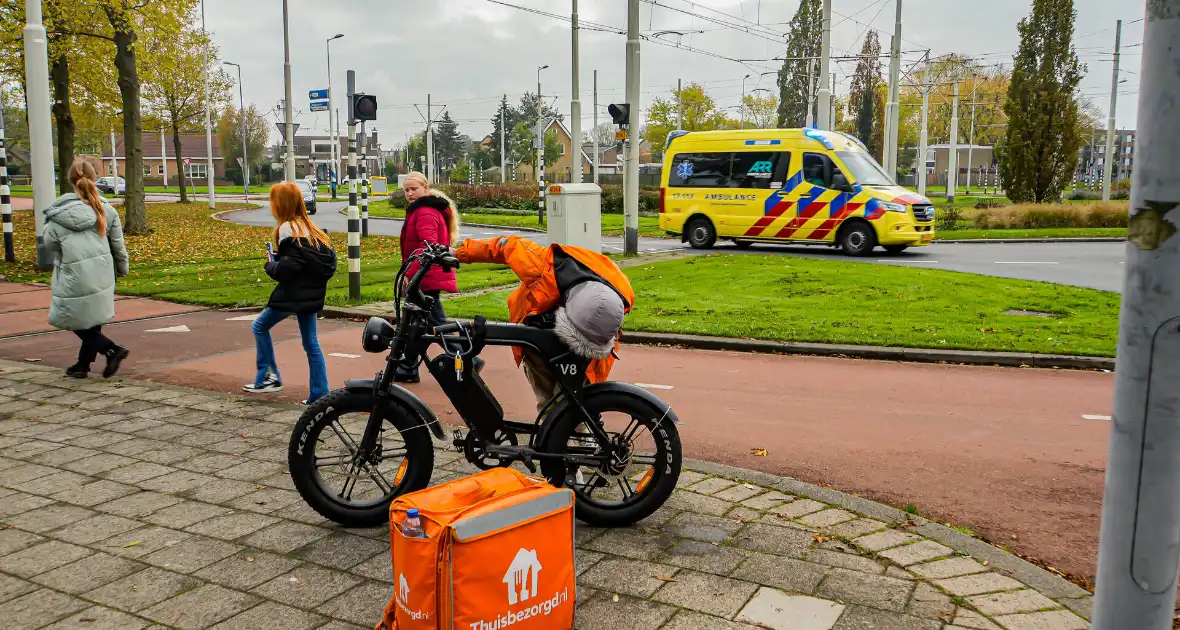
pixel 498 553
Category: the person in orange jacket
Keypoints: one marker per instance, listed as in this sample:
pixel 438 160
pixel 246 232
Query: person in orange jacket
pixel 582 294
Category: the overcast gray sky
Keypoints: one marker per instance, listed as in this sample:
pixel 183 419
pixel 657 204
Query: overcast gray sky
pixel 466 53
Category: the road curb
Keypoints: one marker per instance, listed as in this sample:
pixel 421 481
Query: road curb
pixel 881 353
pixel 999 241
pixel 1047 582
pixel 878 353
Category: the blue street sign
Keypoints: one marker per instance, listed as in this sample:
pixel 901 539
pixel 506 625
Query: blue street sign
pixel 319 106
pixel 317 94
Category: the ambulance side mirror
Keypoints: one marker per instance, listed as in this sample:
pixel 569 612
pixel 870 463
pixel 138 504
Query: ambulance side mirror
pixel 840 183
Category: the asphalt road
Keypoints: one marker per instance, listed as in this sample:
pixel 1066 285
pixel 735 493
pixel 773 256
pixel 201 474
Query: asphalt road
pixel 1093 265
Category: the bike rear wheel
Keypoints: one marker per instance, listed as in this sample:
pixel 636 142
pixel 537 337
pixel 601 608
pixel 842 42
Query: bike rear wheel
pixel 331 479
pixel 643 472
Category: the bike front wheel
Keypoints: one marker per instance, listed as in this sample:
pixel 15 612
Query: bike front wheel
pixel 645 461
pixel 339 485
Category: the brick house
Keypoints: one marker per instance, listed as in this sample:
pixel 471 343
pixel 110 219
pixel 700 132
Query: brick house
pixel 157 163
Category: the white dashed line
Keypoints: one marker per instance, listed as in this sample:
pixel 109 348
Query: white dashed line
pixel 242 318
pixel 1025 262
pixel 344 356
pixel 919 262
pixel 1087 416
pixel 173 329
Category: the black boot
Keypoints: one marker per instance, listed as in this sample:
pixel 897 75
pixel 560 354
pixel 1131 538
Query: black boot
pixel 78 370
pixel 115 356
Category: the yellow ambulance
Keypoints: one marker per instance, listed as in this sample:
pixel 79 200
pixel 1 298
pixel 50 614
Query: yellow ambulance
pixel 786 185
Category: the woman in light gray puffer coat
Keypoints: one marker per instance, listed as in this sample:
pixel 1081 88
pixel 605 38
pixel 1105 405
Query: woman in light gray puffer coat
pixel 84 235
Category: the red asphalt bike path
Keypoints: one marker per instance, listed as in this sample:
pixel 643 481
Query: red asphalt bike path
pixel 1003 451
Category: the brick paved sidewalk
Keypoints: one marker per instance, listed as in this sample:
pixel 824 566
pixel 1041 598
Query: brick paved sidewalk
pixel 129 505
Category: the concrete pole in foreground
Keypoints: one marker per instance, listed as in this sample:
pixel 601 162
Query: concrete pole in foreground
pixel 893 108
pixel 597 155
pixel 40 136
pixel 631 181
pixel 824 98
pixel 923 129
pixel 208 124
pixel 576 108
pixel 354 213
pixel 1108 166
pixel 289 130
pixel 1139 543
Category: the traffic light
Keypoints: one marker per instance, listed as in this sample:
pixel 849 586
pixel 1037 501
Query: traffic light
pixel 620 113
pixel 364 106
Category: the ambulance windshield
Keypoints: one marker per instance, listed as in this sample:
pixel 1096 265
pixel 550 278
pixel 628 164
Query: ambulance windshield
pixel 864 169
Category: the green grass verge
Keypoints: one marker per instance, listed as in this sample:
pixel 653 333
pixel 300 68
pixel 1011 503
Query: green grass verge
pixel 983 235
pixel 831 301
pixel 612 224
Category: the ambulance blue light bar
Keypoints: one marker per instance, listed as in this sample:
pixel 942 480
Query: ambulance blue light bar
pixel 672 135
pixel 762 143
pixel 816 134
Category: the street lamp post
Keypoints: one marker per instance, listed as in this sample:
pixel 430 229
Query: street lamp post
pixel 288 132
pixel 40 129
pixel 208 121
pixel 742 104
pixel 333 157
pixel 540 146
pixel 245 156
pixel 576 106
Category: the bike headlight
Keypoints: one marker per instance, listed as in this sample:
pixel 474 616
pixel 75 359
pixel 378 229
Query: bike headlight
pixel 894 207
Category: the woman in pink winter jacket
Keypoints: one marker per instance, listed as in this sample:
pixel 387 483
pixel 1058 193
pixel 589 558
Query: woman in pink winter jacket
pixel 431 217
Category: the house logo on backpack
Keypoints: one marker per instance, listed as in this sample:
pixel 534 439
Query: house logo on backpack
pixel 520 589
pixel 403 600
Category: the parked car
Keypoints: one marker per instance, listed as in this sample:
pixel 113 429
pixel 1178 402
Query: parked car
pixel 308 194
pixel 111 185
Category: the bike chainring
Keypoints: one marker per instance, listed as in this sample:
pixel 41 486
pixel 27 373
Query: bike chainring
pixel 475 449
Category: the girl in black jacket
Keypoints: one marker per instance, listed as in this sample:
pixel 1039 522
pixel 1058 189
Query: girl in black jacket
pixel 303 265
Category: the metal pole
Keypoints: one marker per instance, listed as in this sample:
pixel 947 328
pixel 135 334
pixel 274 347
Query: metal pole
pixel 971 136
pixel 429 136
pixel 5 201
pixel 354 213
pixel 923 128
pixel 361 147
pixel 576 108
pixel 1138 549
pixel 833 112
pixel 809 120
pixel 742 105
pixel 164 157
pixel 40 130
pixel 893 108
pixel 1108 167
pixel 597 155
pixel 824 97
pixel 680 105
pixel 952 169
pixel 631 185
pixel 539 145
pixel 334 151
pixel 288 131
pixel 245 151
pixel 208 122
pixel 503 146
pixel 114 159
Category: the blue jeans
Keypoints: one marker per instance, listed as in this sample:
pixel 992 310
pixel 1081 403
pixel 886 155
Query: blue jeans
pixel 318 367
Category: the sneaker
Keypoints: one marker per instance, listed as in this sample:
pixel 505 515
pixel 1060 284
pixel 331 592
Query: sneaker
pixel 269 386
pixel 114 360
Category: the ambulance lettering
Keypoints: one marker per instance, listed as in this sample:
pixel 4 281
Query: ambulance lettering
pixel 731 197
pixel 403 600
pixel 521 582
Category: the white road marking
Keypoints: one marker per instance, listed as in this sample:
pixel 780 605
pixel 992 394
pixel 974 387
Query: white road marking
pixel 1025 262
pixel 1086 416
pixel 173 329
pixel 653 386
pixel 894 260
pixel 243 318
pixel 344 356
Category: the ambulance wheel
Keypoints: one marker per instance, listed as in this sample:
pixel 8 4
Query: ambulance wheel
pixel 320 459
pixel 858 239
pixel 645 462
pixel 743 244
pixel 895 249
pixel 701 234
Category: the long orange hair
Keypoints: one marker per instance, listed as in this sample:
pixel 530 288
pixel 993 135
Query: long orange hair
pixel 286 205
pixel 81 176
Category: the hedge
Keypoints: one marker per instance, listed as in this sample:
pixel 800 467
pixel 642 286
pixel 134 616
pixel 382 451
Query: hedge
pixel 523 197
pixel 1027 216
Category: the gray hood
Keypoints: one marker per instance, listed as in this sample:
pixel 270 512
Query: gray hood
pixel 72 213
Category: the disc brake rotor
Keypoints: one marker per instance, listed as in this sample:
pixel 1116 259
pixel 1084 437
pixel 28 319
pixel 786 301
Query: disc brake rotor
pixel 475 449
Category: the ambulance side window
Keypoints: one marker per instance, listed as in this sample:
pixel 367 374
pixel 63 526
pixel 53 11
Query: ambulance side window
pixel 756 169
pixel 817 169
pixel 700 170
